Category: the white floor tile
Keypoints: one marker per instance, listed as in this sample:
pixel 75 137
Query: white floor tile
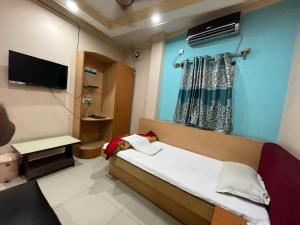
pixel 92 162
pixel 122 219
pixel 15 182
pixel 87 195
pixel 86 209
pixel 113 191
pixel 60 187
pixel 146 213
pixel 89 175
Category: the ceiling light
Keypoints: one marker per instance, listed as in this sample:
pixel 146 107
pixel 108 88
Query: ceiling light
pixel 72 6
pixel 155 18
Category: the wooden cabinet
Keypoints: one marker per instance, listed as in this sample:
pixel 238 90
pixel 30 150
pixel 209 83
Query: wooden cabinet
pixel 123 102
pixel 224 217
pixel 102 102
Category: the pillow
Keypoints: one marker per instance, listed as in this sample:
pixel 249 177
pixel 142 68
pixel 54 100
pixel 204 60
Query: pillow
pixel 142 144
pixel 241 180
pixel 118 144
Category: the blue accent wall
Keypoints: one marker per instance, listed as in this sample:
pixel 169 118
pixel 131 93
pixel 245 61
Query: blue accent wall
pixel 261 81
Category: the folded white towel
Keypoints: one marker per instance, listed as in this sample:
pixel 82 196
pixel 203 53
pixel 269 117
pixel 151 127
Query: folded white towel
pixel 142 144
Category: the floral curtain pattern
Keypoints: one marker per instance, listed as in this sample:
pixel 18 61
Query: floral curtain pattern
pixel 205 95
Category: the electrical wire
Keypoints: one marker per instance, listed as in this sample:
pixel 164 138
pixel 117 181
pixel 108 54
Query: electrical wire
pixel 78 37
pixel 75 97
pixel 239 44
pixel 176 65
pixel 63 104
pixel 83 94
pixel 77 48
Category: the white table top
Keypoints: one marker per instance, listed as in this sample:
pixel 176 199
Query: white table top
pixel 44 144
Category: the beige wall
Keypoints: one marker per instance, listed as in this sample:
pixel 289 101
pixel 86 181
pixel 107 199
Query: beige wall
pixel 147 81
pixel 289 135
pixel 156 62
pixel 140 87
pixel 31 29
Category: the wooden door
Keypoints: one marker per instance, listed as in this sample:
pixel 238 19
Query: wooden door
pixel 123 101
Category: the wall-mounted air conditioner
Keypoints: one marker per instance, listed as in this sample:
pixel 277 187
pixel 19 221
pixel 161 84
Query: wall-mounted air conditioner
pixel 226 26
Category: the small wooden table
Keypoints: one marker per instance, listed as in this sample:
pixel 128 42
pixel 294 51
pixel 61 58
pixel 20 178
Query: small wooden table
pixel 51 163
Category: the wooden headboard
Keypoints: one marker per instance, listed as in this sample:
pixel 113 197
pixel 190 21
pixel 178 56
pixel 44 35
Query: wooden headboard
pixel 208 143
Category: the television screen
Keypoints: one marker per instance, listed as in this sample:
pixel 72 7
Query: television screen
pixel 25 69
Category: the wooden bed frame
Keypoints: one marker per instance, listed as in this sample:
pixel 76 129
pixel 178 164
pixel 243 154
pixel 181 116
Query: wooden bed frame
pixel 180 204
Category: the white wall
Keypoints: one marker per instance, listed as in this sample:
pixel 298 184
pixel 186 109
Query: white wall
pixel 31 29
pixel 140 87
pixel 290 125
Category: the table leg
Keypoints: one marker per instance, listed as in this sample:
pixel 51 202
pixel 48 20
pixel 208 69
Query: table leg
pixel 69 151
pixel 69 154
pixel 25 165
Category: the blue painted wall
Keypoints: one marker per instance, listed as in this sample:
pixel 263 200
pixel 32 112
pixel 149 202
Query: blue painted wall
pixel 261 81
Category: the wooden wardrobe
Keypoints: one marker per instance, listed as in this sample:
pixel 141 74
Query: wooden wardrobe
pixel 102 101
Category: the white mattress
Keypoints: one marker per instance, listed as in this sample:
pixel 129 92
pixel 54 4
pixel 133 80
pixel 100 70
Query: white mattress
pixel 187 171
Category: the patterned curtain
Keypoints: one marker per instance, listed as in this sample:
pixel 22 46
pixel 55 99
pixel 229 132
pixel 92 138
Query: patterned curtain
pixel 205 95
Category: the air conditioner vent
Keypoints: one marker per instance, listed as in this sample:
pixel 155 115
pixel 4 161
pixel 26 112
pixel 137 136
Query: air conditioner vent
pixel 216 29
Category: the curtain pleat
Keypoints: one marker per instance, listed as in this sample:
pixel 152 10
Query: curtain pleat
pixel 205 95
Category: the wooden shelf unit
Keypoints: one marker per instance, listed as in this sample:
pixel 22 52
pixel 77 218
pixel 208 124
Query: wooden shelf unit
pixel 92 145
pixel 106 90
pixel 91 119
pixel 90 86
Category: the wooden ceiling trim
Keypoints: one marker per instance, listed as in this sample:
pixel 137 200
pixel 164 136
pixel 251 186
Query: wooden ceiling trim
pixel 258 5
pixel 94 13
pixel 60 10
pixel 166 6
pixel 244 8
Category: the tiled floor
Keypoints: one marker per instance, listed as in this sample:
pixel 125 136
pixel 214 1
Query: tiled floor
pixel 12 183
pixel 87 195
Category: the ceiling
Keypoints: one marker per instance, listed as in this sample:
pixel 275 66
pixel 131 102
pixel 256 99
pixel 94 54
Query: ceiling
pixel 134 25
pixel 113 11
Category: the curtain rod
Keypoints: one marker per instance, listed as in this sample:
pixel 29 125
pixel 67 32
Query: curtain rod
pixel 243 54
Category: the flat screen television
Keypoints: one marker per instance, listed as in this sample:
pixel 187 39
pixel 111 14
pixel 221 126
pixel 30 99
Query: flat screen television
pixel 25 69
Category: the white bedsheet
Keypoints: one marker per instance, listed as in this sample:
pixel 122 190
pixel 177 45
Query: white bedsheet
pixel 187 171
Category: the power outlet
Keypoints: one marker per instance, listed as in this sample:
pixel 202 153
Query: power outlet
pixel 87 101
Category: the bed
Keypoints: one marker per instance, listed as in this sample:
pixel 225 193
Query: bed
pixel 187 171
pixel 188 194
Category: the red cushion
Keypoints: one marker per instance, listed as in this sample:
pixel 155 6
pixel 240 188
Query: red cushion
pixel 112 146
pixel 281 174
